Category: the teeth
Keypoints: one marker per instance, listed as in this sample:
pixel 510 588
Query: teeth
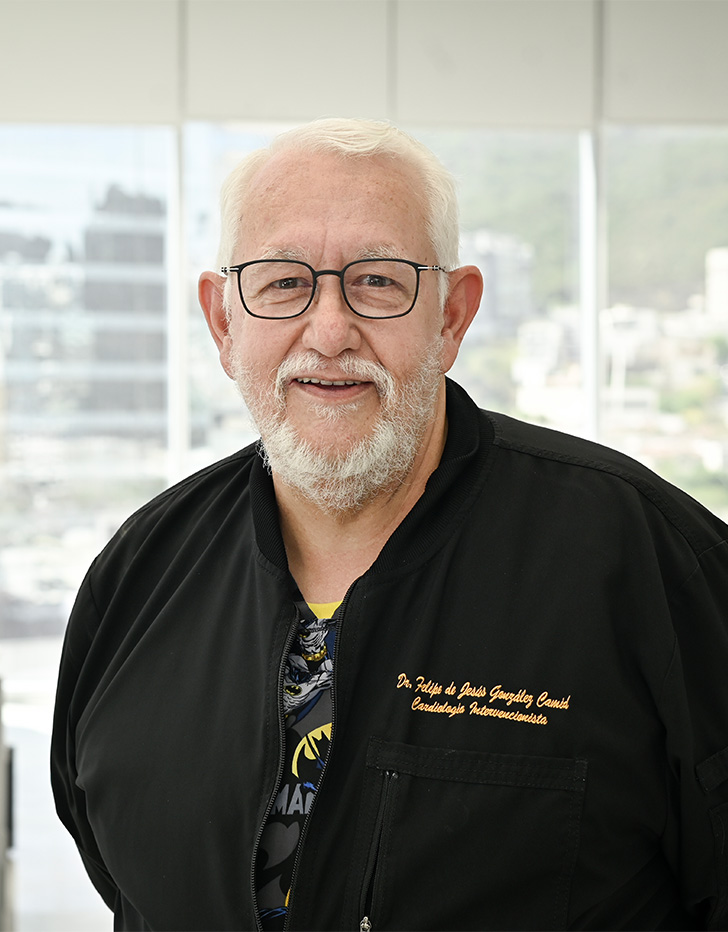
pixel 307 381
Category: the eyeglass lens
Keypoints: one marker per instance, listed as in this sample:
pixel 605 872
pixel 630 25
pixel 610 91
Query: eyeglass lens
pixel 372 287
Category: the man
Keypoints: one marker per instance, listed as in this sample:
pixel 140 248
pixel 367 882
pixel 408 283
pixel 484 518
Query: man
pixel 407 664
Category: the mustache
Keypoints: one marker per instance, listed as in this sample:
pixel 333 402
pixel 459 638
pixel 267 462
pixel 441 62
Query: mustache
pixel 348 365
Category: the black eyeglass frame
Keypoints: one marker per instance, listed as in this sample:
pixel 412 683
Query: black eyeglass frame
pixel 417 266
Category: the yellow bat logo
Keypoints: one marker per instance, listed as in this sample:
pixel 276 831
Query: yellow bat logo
pixel 308 744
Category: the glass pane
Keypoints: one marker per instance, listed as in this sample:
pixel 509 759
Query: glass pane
pixel 519 208
pixel 83 431
pixel 664 333
pixel 83 234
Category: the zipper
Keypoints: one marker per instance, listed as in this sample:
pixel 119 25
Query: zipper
pixel 290 637
pixel 307 822
pixel 371 877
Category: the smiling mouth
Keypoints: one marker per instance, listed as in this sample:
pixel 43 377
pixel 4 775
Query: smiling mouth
pixel 307 381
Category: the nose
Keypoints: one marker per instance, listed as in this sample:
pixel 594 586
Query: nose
pixel 331 326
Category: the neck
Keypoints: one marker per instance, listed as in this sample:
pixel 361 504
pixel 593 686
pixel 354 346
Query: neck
pixel 328 551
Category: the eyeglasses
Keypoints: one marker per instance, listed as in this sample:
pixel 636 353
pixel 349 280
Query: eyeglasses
pixel 278 289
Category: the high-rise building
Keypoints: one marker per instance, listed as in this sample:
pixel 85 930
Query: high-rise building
pixel 83 408
pixel 84 324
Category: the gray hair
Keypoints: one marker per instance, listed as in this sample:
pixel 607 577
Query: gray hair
pixel 352 138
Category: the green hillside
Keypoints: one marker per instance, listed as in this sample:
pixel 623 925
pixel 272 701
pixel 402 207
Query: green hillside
pixel 667 198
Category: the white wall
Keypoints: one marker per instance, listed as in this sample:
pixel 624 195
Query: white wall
pixel 89 61
pixel 511 63
pixel 666 61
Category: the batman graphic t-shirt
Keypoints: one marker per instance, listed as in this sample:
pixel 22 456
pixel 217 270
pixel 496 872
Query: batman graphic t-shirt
pixel 307 713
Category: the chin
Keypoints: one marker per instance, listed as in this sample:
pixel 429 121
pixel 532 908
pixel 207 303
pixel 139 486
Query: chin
pixel 334 441
pixel 342 479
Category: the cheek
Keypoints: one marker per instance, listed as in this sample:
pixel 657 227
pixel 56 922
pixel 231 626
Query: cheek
pixel 406 349
pixel 258 345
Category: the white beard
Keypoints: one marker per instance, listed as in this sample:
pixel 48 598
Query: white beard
pixel 343 481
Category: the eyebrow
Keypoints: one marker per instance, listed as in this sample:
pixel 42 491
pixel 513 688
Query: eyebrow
pixel 379 251
pixel 290 255
pixel 369 251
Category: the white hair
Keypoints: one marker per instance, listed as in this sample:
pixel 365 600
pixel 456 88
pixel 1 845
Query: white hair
pixel 353 139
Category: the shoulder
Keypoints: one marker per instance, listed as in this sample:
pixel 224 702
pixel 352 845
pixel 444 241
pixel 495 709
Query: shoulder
pixel 598 476
pixel 223 480
pixel 189 512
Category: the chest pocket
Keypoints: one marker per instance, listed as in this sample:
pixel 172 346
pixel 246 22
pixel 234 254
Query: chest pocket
pixel 437 832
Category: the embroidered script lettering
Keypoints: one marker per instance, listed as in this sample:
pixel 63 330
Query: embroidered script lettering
pixel 427 686
pixel 497 692
pixel 514 716
pixel 467 690
pixel 487 702
pixel 544 700
pixel 443 708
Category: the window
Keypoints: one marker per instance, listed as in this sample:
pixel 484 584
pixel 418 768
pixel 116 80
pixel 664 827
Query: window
pixel 84 291
pixel 83 297
pixel 519 200
pixel 664 332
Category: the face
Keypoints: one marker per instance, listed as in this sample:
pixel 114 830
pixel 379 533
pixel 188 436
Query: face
pixel 329 377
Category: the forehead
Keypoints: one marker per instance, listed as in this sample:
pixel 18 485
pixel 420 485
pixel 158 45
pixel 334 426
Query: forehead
pixel 320 204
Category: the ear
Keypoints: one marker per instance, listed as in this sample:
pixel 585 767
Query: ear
pixel 210 291
pixel 463 300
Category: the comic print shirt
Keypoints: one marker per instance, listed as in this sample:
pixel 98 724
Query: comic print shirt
pixel 307 712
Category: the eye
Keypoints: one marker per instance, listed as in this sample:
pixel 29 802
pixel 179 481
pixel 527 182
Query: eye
pixel 288 284
pixel 376 281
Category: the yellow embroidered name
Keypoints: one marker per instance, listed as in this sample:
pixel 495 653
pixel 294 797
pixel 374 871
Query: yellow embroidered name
pixel 497 692
pixel 441 708
pixel 493 698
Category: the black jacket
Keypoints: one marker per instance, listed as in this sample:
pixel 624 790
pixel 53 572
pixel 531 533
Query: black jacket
pixel 530 702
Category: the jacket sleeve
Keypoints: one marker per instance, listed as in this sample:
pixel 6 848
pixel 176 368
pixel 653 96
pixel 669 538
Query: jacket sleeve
pixel 696 713
pixel 70 700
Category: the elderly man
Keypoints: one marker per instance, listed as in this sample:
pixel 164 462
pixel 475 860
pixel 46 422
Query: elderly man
pixel 405 664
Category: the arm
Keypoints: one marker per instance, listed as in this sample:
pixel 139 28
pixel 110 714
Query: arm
pixel 73 689
pixel 696 711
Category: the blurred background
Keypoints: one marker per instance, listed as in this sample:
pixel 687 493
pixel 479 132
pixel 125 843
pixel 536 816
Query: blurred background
pixel 589 139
